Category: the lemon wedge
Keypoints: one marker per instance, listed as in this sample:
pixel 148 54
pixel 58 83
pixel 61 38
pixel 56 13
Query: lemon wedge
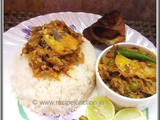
pixel 130 114
pixel 100 108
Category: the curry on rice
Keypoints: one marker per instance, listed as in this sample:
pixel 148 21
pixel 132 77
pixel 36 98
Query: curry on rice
pixel 53 49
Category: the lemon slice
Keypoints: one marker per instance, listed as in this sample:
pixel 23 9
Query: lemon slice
pixel 100 108
pixel 130 114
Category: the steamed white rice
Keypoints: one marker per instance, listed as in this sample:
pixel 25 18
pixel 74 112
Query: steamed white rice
pixel 30 91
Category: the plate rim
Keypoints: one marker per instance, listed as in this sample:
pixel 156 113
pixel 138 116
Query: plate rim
pixel 77 13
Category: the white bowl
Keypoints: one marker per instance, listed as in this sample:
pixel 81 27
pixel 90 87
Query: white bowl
pixel 119 100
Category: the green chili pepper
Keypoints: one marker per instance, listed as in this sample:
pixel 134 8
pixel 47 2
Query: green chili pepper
pixel 137 55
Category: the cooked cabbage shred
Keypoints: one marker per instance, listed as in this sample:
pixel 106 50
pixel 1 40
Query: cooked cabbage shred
pixel 53 49
pixel 129 77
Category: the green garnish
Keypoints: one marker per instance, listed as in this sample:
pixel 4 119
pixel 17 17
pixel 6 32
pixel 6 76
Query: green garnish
pixel 134 86
pixel 134 55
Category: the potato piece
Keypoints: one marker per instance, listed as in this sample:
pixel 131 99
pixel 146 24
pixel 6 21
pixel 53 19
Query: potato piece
pixel 134 68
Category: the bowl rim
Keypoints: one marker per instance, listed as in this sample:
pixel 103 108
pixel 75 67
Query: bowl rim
pixel 110 90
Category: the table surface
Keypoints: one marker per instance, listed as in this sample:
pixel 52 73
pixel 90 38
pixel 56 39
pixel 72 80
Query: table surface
pixel 147 29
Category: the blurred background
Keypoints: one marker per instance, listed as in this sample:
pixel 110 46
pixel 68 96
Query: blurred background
pixel 139 14
pixel 144 10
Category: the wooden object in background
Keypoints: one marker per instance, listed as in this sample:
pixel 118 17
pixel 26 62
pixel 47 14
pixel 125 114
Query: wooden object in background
pixel 144 10
pixel 147 29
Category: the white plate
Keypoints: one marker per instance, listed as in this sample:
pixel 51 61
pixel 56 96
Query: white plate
pixel 17 36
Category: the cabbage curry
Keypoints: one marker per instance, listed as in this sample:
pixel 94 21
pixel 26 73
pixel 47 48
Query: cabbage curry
pixel 130 72
pixel 53 49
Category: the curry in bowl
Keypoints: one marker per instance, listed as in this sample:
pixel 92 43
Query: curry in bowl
pixel 130 72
